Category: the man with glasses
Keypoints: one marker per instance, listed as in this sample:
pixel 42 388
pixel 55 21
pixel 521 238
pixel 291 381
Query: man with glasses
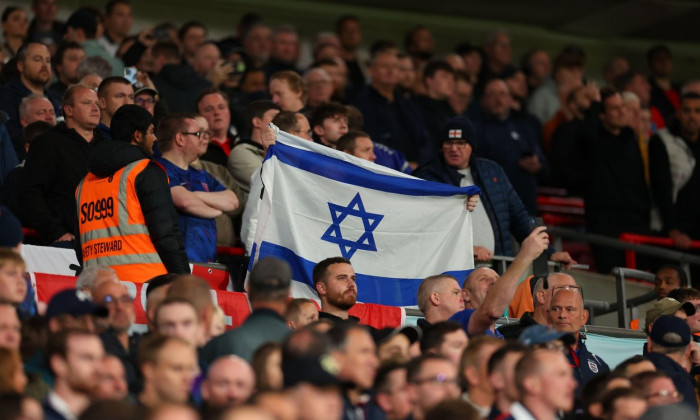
pixel 567 314
pixel 540 299
pixel 656 387
pixel 115 328
pixel 502 212
pixel 146 97
pixel 692 295
pixel 669 350
pixel 198 197
pixel 293 123
pixel 431 380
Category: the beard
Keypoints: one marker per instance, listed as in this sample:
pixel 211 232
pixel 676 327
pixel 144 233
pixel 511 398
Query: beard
pixel 343 301
pixel 41 78
pixel 83 385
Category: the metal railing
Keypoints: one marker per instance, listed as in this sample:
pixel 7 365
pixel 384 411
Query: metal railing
pixel 682 258
pixel 593 329
pixel 500 264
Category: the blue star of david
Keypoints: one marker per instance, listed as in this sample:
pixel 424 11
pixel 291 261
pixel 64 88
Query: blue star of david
pixel 369 220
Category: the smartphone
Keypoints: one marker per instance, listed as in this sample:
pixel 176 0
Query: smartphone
pixel 130 75
pixel 540 267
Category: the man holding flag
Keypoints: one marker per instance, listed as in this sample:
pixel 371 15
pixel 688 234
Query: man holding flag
pixel 395 229
pixel 502 212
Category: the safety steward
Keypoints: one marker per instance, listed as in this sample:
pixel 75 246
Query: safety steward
pixel 126 215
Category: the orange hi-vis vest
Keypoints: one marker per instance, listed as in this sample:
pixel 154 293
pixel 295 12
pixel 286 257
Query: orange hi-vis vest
pixel 113 230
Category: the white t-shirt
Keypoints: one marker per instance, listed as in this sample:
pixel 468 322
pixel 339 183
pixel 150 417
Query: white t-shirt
pixel 482 231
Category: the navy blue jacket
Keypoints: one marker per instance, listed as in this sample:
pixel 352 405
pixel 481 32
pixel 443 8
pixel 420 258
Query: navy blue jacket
pixel 50 413
pixel 588 366
pixel 681 379
pixel 398 124
pixel 503 206
pixel 506 142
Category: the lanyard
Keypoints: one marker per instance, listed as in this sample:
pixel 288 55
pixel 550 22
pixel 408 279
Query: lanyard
pixel 575 357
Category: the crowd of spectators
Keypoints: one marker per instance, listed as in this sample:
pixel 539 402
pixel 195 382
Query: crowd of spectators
pixel 79 357
pixel 85 99
pixel 627 147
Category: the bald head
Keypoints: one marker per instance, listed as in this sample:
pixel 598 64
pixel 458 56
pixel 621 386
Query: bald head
pixel 230 381
pixel 566 311
pixel 477 285
pixel 543 297
pixel 440 297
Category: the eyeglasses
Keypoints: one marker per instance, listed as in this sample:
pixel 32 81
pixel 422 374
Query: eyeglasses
pixel 575 289
pixel 144 101
pixel 112 300
pixel 550 345
pixel 198 134
pixel 461 144
pixel 665 393
pixel 440 379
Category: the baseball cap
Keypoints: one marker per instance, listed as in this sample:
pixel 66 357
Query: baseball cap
pixel 385 334
pixel 667 306
pixel 74 302
pixel 144 89
pixel 670 331
pixel 540 334
pixel 270 274
pixel 316 370
pixel 459 128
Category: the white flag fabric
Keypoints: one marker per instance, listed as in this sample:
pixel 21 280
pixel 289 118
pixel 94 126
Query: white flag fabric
pixel 394 228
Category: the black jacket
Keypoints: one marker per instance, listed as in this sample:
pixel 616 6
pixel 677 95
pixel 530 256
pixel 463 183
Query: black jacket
pixel 398 124
pixel 56 163
pixel 154 196
pixel 435 113
pixel 513 331
pixel 616 193
pixel 179 86
pixel 680 377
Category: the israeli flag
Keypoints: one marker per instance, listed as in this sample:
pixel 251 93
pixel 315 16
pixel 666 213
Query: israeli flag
pixel 394 228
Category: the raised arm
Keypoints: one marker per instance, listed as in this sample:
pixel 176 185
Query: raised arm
pixel 501 293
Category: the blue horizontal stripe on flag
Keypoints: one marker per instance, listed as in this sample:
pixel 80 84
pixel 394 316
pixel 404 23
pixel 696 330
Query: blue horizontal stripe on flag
pixel 348 173
pixel 370 289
